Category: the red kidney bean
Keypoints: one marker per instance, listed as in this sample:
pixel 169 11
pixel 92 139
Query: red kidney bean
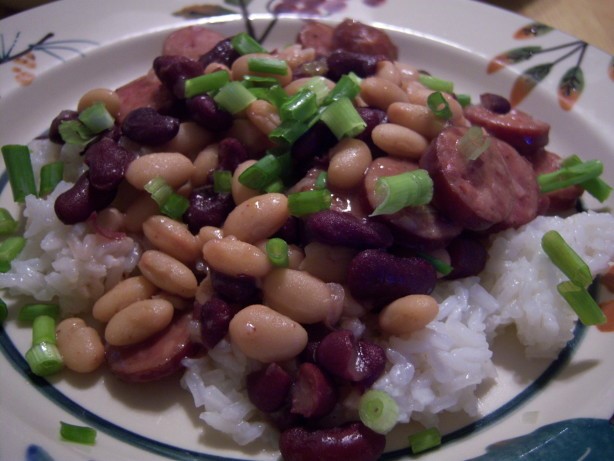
pixel 341 62
pixel 315 332
pixel 291 231
pixel 214 317
pixel 147 126
pixel 467 257
pixel 207 208
pixel 344 229
pixel 173 71
pixel 384 277
pixel 205 111
pixel 372 117
pixel 313 393
pixel 241 289
pixel 357 361
pixel 80 201
pixel 352 441
pixel 315 141
pixel 107 163
pixel 269 388
pixel 223 53
pixel 495 103
pixel 63 116
pixel 231 152
pixel 352 35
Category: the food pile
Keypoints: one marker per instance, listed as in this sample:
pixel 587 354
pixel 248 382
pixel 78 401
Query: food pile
pixel 322 239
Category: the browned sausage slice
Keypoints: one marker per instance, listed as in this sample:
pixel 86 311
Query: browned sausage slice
pixel 155 358
pixel 354 36
pixel 318 36
pixel 192 41
pixel 474 193
pixel 145 91
pixel 526 134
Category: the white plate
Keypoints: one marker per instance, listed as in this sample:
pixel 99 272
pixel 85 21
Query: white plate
pixel 109 43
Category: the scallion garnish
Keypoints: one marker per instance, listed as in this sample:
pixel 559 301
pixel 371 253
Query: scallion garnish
pixel 436 84
pixel 44 359
pixel 301 107
pixel 308 202
pixel 582 303
pixel 78 434
pixel 222 181
pixel 597 187
pixel 268 66
pixel 262 173
pixel 19 168
pixel 8 224
pixel 251 81
pixel 76 133
pixel 50 176
pixel 318 85
pixel 43 330
pixel 378 411
pixel 29 312
pixel 570 176
pixel 277 251
pixel 4 311
pixel 9 249
pixel 343 119
pixel 234 97
pixel 321 180
pixel 346 87
pixel 473 143
pixel 439 106
pixel 566 259
pixel 463 99
pixel 159 190
pixel 246 44
pixel 96 118
pixel 412 188
pixel 276 186
pixel 205 83
pixel 425 440
pixel 288 132
pixel 175 206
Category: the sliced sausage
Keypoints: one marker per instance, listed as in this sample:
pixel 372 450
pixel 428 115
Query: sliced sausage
pixel 421 227
pixel 191 41
pixel 156 358
pixel 558 200
pixel 524 132
pixel 145 91
pixel 474 193
pixel 354 36
pixel 318 36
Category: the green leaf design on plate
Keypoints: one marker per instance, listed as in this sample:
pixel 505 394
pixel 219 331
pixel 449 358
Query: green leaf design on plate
pixel 570 87
pixel 535 29
pixel 512 56
pixel 525 83
pixel 237 2
pixel 203 11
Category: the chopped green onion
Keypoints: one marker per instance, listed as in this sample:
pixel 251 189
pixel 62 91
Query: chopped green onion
pixel 78 434
pixel 425 440
pixel 463 99
pixel 159 190
pixel 343 119
pixel 222 181
pixel 277 96
pixel 51 175
pixel 301 107
pixel 318 86
pixel 76 133
pixel 205 83
pixel 473 143
pixel 234 97
pixel 412 188
pixel 96 118
pixel 378 411
pixel 439 106
pixel 321 180
pixel 582 303
pixel 246 44
pixel 346 87
pixel 44 359
pixel 566 259
pixel 175 206
pixel 262 173
pixel 277 251
pixel 43 330
pixel 29 312
pixel 19 168
pixel 9 249
pixel 251 81
pixel 569 176
pixel 4 311
pixel 8 224
pixel 288 132
pixel 597 187
pixel 436 84
pixel 440 266
pixel 267 66
pixel 275 186
pixel 308 202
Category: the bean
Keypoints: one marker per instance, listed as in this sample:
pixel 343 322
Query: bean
pixel 266 335
pixel 372 117
pixel 418 94
pixel 108 97
pixel 204 110
pixel 123 294
pixel 380 93
pixel 80 346
pixel 495 103
pixel 231 153
pixel 223 53
pixel 79 202
pixel 295 55
pixel 241 289
pixel 408 314
pixel 344 229
pixel 240 192
pixel 387 70
pixel 234 257
pixel 172 237
pixel 240 69
pixel 397 140
pixel 341 62
pixel 207 233
pixel 146 125
pixel 190 140
pixel 176 169
pixel 467 257
pixel 416 117
pixel 217 66
pixel 63 116
pixel 107 162
pixel 207 208
pixel 179 303
pixel 204 164
pixel 408 72
pixel 263 115
pixel 302 297
pixel 317 139
pixel 269 387
pixel 329 263
pixel 173 71
pixel 168 274
pixel 313 392
pixel 254 140
pixel 109 220
pixel 257 218
pixel 138 321
pixel 349 161
pixel 214 316
pixel 137 213
pixel 297 84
